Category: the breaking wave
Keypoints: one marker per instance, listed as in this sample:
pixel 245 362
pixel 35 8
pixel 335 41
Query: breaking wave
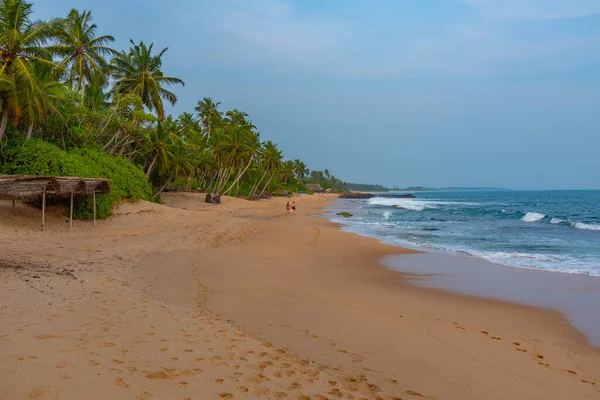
pixel 533 217
pixel 590 227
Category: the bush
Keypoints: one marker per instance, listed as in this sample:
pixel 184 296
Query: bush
pixel 36 157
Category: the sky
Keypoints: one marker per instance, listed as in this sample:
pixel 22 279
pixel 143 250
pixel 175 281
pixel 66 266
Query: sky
pixel 435 93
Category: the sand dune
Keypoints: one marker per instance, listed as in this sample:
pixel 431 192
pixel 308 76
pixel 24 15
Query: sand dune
pixel 189 300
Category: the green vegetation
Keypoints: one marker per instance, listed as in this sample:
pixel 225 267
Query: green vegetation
pixel 38 157
pixel 344 214
pixel 362 187
pixel 72 105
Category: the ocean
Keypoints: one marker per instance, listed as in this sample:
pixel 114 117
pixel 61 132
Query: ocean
pixel 545 230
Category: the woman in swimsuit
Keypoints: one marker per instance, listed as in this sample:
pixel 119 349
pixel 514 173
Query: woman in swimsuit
pixel 293 207
pixel 287 207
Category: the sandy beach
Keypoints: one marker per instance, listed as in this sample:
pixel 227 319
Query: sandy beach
pixel 189 300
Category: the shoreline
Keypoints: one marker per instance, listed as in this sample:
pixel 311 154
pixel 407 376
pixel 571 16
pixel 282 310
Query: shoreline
pixel 573 294
pixel 359 282
pixel 243 279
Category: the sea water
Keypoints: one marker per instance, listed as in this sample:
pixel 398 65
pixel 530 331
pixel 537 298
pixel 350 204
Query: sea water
pixel 546 230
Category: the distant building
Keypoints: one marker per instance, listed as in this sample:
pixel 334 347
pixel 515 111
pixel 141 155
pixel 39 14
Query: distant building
pixel 315 187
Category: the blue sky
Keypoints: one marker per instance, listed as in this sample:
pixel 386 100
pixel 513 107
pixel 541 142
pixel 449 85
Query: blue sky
pixel 407 92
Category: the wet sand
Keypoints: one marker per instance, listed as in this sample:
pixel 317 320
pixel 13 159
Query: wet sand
pixel 196 301
pixel 576 296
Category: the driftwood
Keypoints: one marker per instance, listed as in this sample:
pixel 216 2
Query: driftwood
pixel 216 199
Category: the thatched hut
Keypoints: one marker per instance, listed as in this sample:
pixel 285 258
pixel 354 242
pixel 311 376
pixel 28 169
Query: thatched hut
pixel 315 187
pixel 33 187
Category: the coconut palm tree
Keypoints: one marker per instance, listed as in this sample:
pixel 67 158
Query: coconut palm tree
pixel 95 96
pixel 83 52
pixel 300 169
pixel 238 118
pixel 209 114
pixel 139 71
pixel 22 42
pixel 252 148
pixel 158 146
pixel 38 100
pixel 189 128
pixel 270 163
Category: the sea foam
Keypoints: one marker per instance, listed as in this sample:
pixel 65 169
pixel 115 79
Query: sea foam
pixel 590 227
pixel 533 217
pixel 409 204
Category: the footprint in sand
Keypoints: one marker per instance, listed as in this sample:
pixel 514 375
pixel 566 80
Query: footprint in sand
pixel 28 358
pixel 121 383
pixel 47 336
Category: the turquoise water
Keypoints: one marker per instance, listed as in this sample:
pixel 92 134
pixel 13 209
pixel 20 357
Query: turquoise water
pixel 548 230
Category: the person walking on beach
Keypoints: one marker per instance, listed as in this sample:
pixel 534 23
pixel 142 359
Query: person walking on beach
pixel 293 207
pixel 287 207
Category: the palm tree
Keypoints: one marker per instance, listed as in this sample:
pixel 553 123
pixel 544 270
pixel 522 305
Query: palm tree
pixel 83 52
pixel 41 98
pixel 270 163
pixel 158 149
pixel 238 118
pixel 22 42
pixel 95 97
pixel 139 71
pixel 189 127
pixel 209 113
pixel 300 169
pixel 252 148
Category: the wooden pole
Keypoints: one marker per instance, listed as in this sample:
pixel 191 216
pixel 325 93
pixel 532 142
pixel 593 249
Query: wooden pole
pixel 71 213
pixel 43 208
pixel 94 207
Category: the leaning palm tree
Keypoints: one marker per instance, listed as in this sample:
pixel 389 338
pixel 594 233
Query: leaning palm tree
pixel 41 98
pixel 22 42
pixel 209 114
pixel 139 71
pixel 83 52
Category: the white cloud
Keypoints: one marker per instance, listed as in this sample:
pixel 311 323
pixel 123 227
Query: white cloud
pixel 537 9
pixel 278 35
pixel 275 32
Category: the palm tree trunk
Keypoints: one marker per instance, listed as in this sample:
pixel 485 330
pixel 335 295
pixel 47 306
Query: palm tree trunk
pixel 267 185
pixel 29 131
pixel 224 180
pixel 237 179
pixel 4 122
pixel 151 165
pixel 257 184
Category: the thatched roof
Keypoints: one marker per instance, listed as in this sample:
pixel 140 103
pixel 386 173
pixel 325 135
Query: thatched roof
pixel 28 187
pixel 315 187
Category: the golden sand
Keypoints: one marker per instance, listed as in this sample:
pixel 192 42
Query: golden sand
pixel 198 301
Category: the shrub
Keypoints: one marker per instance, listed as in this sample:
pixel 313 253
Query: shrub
pixel 36 157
